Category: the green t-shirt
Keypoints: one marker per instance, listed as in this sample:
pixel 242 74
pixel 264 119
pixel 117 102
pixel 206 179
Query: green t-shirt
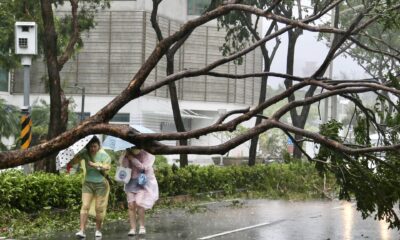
pixel 92 174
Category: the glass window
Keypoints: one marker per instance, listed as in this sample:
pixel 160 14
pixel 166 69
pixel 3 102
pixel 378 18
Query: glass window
pixel 3 80
pixel 197 7
pixel 120 117
pixel 86 115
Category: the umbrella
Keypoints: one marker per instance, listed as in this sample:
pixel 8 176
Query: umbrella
pixel 66 155
pixel 117 144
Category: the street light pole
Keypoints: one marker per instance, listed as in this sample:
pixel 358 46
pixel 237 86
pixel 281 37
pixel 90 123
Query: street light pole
pixel 334 99
pixel 83 105
pixel 83 91
pixel 26 45
pixel 27 84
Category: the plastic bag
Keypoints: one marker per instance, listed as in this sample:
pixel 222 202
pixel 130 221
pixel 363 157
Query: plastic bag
pixel 123 175
pixel 142 179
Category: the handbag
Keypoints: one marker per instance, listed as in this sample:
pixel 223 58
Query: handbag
pixel 142 179
pixel 123 174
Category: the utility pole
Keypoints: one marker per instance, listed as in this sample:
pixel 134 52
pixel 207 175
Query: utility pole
pixel 333 99
pixel 26 46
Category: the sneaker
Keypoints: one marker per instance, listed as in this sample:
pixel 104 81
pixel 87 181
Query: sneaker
pixel 142 230
pixel 132 232
pixel 80 234
pixel 98 234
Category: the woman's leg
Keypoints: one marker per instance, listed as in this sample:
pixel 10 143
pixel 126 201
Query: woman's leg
pixel 101 205
pixel 141 216
pixel 86 199
pixel 102 191
pixel 132 214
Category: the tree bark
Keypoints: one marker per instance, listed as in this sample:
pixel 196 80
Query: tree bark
pixel 183 158
pixel 297 120
pixel 263 95
pixel 58 102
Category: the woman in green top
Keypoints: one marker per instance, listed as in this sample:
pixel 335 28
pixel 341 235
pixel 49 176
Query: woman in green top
pixel 95 163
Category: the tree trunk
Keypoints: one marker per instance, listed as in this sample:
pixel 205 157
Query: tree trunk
pixel 58 102
pixel 263 95
pixel 183 160
pixel 296 119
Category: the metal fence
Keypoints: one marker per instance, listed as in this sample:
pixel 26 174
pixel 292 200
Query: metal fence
pixel 120 44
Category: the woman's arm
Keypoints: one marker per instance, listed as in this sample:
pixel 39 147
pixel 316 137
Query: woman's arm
pixel 101 166
pixel 77 158
pixel 136 162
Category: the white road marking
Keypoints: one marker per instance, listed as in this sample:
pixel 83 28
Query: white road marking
pixel 241 229
pixel 254 226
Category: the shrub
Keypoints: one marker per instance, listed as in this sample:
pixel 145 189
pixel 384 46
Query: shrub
pixel 39 190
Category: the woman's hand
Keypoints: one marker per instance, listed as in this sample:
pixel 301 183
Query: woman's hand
pixel 98 166
pixel 146 168
pixel 92 164
pixel 105 167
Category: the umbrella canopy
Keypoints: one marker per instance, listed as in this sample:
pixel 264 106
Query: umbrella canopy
pixel 66 155
pixel 117 144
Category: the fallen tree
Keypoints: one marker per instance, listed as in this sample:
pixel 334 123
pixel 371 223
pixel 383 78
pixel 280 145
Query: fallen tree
pixel 352 168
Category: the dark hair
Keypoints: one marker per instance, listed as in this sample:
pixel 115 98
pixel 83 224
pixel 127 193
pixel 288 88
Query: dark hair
pixel 95 139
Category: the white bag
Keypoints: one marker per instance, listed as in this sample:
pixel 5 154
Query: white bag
pixel 123 174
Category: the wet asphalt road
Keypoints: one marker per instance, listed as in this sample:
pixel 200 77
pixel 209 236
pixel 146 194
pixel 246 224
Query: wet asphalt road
pixel 255 220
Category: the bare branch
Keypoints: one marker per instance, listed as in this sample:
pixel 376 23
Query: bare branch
pixel 69 50
pixel 154 21
pixel 297 145
pixel 333 144
pixel 273 5
pixel 360 44
pixel 225 116
pixel 249 75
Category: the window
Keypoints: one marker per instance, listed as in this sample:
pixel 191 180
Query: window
pixel 86 115
pixel 25 28
pixel 166 126
pixel 121 117
pixel 3 80
pixel 197 7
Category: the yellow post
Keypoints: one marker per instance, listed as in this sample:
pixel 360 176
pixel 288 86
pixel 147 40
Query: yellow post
pixel 26 133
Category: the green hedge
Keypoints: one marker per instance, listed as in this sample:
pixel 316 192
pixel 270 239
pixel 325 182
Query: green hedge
pixel 277 180
pixel 36 191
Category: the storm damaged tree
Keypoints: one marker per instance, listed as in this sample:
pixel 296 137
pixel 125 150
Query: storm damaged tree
pixel 170 55
pixel 376 49
pixel 242 29
pixel 180 127
pixel 81 19
pixel 360 172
